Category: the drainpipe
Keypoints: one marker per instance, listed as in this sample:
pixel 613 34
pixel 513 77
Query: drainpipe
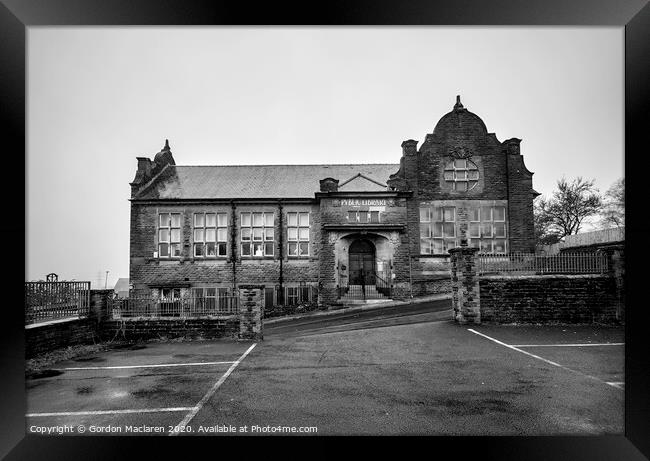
pixel 233 246
pixel 280 247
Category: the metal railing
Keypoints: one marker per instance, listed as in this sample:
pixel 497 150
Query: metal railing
pixel 567 263
pixel 376 288
pixel 46 301
pixel 297 295
pixel 186 307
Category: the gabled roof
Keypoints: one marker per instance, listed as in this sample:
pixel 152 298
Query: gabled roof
pixel 362 183
pixel 257 181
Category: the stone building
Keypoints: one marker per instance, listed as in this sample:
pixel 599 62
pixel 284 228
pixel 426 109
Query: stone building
pixel 330 233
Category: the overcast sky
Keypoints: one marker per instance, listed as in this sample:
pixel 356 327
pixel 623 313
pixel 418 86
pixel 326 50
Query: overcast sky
pixel 100 97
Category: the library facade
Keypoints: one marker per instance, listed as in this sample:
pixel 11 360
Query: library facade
pixel 330 233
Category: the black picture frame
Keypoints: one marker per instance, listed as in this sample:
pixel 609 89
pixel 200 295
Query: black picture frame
pixel 17 15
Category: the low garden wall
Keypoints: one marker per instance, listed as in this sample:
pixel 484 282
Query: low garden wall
pixel 99 325
pixel 548 298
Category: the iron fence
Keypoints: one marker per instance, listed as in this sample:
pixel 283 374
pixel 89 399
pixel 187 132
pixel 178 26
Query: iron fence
pixel 46 301
pixel 380 289
pixel 185 307
pixel 567 263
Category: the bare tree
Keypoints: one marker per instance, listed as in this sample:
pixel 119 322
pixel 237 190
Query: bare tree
pixel 564 212
pixel 613 213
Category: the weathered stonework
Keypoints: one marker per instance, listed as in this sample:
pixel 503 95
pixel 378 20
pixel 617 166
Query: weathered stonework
pixel 466 297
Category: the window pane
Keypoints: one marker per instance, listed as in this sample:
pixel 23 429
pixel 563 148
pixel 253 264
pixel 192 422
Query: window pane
pixel 425 214
pixel 304 249
pixel 176 235
pixel 499 246
pixel 461 175
pixel 257 249
pixel 176 249
pixel 461 186
pixel 293 233
pixel 198 250
pixel 449 229
pixel 245 219
pixel 163 235
pixel 176 220
pixel 460 163
pixel 268 233
pixel 425 246
pixel 292 219
pixel 245 234
pixel 304 219
pixel 211 235
pixel 222 235
pixel 209 249
pixel 221 248
pixel 199 220
pixel 474 243
pixel 449 244
pixel 437 247
pixel 257 233
pixel 437 229
pixel 473 175
pixel 425 231
pixel 268 249
pixel 474 230
pixel 374 216
pixel 486 246
pixel 499 213
pixel 268 219
pixel 210 220
pixel 164 220
pixel 304 233
pixel 363 216
pixel 436 214
pixel 486 213
pixel 499 229
pixel 197 292
pixel 245 249
pixel 293 249
pixel 257 219
pixel 198 235
pixel 486 230
pixel 474 214
pixel 450 214
pixel 210 292
pixel 163 250
pixel 222 219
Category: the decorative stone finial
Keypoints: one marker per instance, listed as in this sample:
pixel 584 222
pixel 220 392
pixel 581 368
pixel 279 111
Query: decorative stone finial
pixel 458 104
pixel 166 144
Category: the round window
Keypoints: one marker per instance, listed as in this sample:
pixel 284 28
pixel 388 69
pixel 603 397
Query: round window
pixel 462 174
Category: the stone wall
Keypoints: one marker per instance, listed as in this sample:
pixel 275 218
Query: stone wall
pixel 548 298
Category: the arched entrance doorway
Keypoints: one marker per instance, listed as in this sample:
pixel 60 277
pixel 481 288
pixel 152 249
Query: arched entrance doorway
pixel 362 262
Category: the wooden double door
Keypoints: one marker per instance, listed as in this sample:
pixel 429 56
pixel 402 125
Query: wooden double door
pixel 362 263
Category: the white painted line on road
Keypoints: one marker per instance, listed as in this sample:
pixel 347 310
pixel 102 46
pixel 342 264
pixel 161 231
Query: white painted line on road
pixel 210 393
pixel 122 367
pixel 542 358
pixel 110 412
pixel 568 345
pixel 616 384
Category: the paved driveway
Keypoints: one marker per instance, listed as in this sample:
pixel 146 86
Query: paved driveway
pixel 385 373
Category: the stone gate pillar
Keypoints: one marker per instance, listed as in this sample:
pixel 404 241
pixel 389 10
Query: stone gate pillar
pixel 465 285
pixel 616 269
pixel 251 312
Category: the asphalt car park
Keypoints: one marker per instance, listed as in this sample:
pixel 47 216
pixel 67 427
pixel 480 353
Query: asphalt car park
pixel 391 372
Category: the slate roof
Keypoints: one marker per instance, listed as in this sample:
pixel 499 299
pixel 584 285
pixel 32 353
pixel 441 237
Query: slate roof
pixel 254 181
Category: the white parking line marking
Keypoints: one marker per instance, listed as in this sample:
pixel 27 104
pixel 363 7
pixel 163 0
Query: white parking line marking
pixel 568 345
pixel 616 384
pixel 542 359
pixel 192 364
pixel 210 393
pixel 111 412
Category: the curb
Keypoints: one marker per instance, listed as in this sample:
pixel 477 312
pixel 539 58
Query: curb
pixel 353 309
